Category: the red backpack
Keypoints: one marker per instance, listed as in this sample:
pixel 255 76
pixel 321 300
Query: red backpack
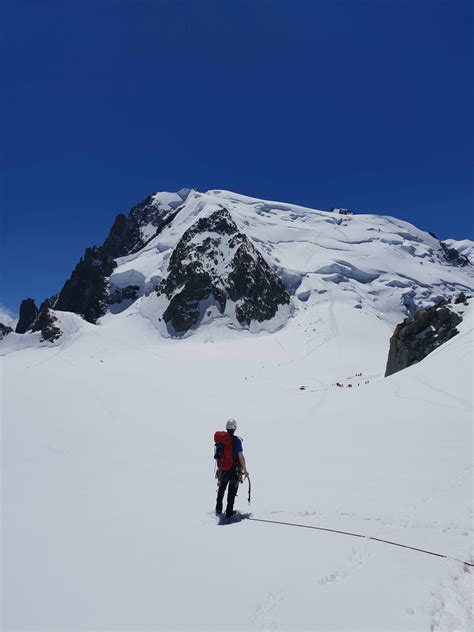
pixel 223 450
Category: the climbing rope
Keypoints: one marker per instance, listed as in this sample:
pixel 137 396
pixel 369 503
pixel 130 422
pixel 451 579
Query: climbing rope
pixel 359 535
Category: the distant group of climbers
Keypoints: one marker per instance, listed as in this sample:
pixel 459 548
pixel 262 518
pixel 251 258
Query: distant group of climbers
pixel 351 385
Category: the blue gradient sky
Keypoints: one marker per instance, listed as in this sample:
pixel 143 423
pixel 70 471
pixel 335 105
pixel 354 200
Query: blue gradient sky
pixel 364 104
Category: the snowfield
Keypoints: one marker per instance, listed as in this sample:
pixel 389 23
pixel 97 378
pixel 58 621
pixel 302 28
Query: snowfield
pixel 108 485
pixel 107 446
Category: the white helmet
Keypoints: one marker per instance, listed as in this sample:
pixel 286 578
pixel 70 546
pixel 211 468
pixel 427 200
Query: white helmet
pixel 231 424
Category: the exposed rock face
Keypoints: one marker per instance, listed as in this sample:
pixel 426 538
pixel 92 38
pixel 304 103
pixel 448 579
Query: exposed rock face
pixel 86 291
pixel 254 287
pixel 130 292
pixel 417 337
pixel 213 263
pixel 46 323
pixel 32 319
pixel 462 298
pixel 453 256
pixel 27 316
pixel 144 222
pixel 342 211
pixel 4 330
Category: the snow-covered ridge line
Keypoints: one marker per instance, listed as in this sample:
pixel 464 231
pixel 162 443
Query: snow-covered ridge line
pixel 401 267
pixel 379 264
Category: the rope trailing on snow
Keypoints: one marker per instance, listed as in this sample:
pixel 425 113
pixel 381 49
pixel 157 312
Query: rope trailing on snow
pixel 366 537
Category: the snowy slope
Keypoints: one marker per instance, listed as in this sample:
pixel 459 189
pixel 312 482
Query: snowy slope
pixel 109 489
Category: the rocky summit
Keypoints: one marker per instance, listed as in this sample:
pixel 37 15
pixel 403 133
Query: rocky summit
pixel 86 292
pixel 213 264
pixel 27 316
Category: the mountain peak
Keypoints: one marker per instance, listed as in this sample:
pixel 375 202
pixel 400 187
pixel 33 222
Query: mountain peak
pixel 216 270
pixel 188 258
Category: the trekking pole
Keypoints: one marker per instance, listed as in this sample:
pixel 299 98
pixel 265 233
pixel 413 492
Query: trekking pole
pixel 250 487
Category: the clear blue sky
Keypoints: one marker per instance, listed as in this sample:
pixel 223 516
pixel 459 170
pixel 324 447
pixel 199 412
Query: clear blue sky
pixel 363 104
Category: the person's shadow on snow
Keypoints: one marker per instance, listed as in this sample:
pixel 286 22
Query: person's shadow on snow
pixel 222 520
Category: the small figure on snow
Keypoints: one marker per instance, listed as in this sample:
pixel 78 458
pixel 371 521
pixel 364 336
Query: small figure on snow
pixel 231 466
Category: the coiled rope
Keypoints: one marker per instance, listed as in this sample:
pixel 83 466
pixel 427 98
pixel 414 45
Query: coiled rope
pixel 366 537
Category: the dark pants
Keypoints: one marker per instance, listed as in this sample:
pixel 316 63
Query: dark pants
pixel 231 478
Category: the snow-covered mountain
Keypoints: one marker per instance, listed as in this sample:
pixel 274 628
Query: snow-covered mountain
pixel 380 264
pixel 203 306
pixel 187 259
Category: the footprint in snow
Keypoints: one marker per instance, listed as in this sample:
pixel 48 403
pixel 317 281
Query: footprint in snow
pixel 355 561
pixel 263 612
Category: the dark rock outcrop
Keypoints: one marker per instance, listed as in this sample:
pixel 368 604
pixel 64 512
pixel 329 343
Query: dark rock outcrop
pixel 342 211
pixel 86 291
pixel 212 263
pixel 32 319
pixel 27 316
pixel 46 324
pixel 416 337
pixel 4 330
pixel 462 298
pixel 253 286
pixel 117 295
pixel 145 220
pixel 454 256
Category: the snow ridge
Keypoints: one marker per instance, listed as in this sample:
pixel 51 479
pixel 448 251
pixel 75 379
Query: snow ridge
pixel 381 265
pixel 376 263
